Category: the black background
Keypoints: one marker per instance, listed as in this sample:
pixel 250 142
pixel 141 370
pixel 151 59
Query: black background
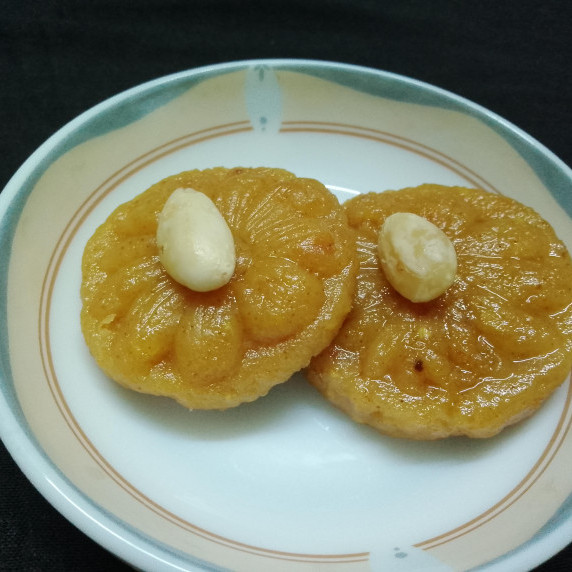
pixel 58 59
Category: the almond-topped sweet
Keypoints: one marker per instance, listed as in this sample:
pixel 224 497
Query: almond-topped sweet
pixel 485 351
pixel 175 305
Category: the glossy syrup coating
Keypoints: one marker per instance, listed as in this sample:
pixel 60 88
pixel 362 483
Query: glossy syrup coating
pixel 481 356
pixel 291 289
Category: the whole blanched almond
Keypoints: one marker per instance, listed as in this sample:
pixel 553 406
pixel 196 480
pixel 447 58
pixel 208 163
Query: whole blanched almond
pixel 196 246
pixel 416 256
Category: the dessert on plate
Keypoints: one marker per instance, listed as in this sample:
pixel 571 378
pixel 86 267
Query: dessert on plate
pixel 471 359
pixel 248 316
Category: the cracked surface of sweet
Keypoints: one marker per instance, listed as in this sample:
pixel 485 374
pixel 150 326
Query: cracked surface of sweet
pixel 292 288
pixel 481 356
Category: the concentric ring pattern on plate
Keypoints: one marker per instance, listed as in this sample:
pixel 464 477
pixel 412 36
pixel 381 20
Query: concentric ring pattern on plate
pixel 286 481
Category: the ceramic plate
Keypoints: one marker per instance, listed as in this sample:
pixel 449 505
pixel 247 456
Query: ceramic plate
pixel 287 482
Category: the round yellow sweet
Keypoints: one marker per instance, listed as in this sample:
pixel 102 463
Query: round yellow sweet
pixel 291 289
pixel 481 356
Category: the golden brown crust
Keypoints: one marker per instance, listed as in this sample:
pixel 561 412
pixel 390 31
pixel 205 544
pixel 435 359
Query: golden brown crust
pixel 483 355
pixel 292 287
